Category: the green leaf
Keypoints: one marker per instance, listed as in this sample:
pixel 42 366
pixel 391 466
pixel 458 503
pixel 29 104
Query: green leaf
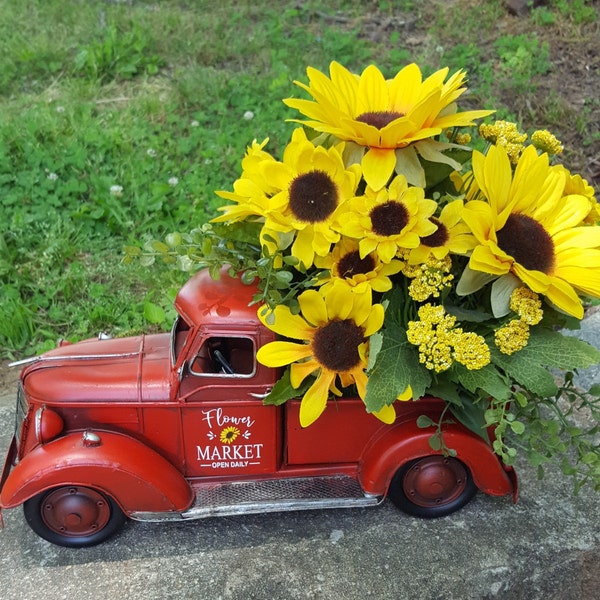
pixel 159 247
pixel 397 366
pixel 517 427
pixel 446 389
pixel 553 349
pixel 154 313
pixel 472 416
pixel 130 250
pixel 173 239
pixel 544 349
pixel 487 379
pixel 423 421
pixel 283 391
pixel 375 343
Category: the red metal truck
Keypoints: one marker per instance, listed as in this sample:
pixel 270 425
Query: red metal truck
pixel 173 427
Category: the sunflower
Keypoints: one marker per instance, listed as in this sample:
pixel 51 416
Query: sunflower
pixel 575 184
pixel 451 236
pixel 309 185
pixel 528 231
pixel 386 220
pixel 229 435
pixel 334 331
pixel 251 192
pixel 392 121
pixel 345 263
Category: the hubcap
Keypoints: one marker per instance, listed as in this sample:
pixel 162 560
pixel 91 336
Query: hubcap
pixel 435 481
pixel 75 511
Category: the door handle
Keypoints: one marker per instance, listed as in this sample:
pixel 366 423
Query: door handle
pixel 260 396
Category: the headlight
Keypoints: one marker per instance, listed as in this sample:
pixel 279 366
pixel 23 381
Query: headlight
pixel 48 424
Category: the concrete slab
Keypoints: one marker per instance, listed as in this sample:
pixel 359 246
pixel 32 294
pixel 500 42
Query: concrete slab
pixel 547 546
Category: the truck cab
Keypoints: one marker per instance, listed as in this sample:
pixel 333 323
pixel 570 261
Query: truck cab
pixel 175 427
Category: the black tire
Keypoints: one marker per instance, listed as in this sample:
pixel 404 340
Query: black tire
pixel 73 516
pixel 432 486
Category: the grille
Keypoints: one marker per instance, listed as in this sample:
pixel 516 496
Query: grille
pixel 20 412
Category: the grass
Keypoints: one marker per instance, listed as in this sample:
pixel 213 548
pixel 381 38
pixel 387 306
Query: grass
pixel 119 120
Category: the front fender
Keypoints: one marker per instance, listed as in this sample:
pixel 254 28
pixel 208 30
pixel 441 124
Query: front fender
pixel 406 441
pixel 134 475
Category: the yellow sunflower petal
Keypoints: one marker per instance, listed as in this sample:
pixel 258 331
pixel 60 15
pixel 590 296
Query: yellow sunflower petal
pixel 563 296
pixel 302 247
pixel 312 305
pixel 378 166
pixel 339 301
pixel 375 319
pixel 277 354
pixel 315 399
pixel 407 394
pixel 372 91
pixel 484 259
pixel 300 370
pixel 387 414
pixel 283 322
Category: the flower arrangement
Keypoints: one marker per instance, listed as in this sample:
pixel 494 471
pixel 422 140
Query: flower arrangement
pixel 397 258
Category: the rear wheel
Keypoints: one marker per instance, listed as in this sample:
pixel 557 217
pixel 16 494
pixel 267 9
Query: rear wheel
pixel 73 516
pixel 432 486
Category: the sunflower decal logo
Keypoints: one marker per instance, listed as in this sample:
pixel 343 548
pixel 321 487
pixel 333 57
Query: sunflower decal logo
pixel 229 435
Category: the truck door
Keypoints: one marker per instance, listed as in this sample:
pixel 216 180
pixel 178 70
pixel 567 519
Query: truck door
pixel 226 428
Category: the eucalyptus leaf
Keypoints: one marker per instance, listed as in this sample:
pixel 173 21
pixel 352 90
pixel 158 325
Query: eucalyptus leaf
pixel 423 421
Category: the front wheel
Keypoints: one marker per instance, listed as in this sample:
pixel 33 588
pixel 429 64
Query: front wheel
pixel 432 486
pixel 73 516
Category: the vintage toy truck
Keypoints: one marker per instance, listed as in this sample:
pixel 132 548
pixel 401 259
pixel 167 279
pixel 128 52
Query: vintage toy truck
pixel 173 427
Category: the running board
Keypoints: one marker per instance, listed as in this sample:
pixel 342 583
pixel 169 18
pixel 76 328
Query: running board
pixel 269 495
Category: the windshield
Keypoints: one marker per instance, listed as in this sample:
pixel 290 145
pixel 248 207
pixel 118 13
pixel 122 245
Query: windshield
pixel 179 336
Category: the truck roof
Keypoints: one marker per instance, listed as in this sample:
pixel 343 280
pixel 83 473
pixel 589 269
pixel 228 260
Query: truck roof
pixel 206 300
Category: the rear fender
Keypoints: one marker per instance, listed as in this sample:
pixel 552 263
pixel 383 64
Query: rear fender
pixel 134 475
pixel 406 442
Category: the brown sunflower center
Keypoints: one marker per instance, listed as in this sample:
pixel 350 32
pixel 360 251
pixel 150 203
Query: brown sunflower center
pixel 437 238
pixel 527 242
pixel 313 197
pixel 336 345
pixel 352 264
pixel 379 118
pixel 389 218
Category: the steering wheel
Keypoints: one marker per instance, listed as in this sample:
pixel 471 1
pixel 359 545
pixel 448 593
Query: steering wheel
pixel 223 362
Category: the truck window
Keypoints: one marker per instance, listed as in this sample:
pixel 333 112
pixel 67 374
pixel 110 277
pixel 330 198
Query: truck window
pixel 179 335
pixel 226 356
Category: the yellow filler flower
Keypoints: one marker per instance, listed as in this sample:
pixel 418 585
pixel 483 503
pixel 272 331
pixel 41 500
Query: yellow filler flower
pixel 392 121
pixel 527 227
pixel 334 331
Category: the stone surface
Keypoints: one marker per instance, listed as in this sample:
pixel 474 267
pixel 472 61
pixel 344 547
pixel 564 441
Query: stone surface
pixel 545 547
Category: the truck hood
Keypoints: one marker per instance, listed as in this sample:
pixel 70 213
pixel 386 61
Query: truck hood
pixel 134 369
